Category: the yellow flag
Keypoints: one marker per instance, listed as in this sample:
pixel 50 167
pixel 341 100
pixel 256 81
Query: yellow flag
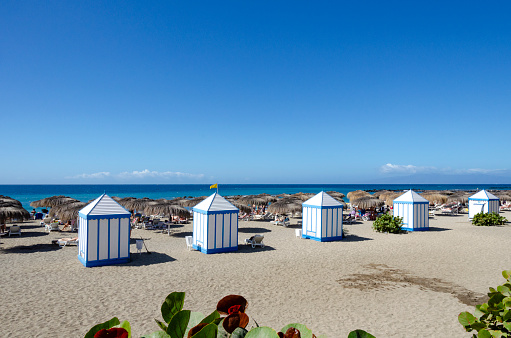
pixel 214 186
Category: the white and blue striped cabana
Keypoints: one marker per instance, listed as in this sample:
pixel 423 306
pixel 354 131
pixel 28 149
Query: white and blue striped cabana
pixel 414 209
pixel 103 233
pixel 215 225
pixel 322 218
pixel 484 202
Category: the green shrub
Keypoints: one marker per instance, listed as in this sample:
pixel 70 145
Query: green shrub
pixel 388 223
pixel 492 319
pixel 490 219
pixel 229 320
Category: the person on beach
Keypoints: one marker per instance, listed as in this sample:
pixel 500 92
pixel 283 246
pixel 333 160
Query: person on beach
pixel 3 227
pixel 68 224
pixel 33 213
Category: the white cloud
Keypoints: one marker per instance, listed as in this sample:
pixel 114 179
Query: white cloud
pixel 404 169
pixel 157 174
pixel 390 168
pixel 99 175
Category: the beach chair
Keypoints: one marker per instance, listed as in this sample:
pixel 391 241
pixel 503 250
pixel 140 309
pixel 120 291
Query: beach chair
pixel 189 242
pixel 53 227
pixel 66 241
pixel 15 230
pixel 46 220
pixel 431 213
pixel 255 241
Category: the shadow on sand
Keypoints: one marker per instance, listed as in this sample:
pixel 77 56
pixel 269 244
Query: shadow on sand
pixel 253 230
pixel 31 248
pixel 148 259
pixel 246 248
pixel 355 238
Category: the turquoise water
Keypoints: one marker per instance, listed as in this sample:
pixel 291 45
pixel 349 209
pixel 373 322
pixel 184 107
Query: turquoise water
pixel 29 193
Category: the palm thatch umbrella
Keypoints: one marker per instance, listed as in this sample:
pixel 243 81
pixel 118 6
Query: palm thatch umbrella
pixel 302 196
pixel 10 200
pixel 10 210
pixel 435 197
pixel 285 206
pixel 137 203
pixel 193 202
pixel 390 197
pixel 353 195
pixel 335 194
pixel 378 193
pixel 166 208
pixel 67 212
pixel 367 202
pixel 53 201
pixel 461 197
pixel 242 207
pixel 503 195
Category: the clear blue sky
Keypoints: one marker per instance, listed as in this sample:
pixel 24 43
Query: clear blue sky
pixel 260 92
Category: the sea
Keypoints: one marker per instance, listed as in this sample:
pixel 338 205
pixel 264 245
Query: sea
pixel 86 192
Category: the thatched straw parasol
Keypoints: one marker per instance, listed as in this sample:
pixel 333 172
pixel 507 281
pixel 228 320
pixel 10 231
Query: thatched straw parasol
pixel 11 209
pixel 242 207
pixel 389 198
pixel 434 197
pixel 67 212
pixel 166 208
pixel 53 201
pixel 285 206
pixel 193 202
pixel 137 204
pixel 10 200
pixel 353 195
pixel 255 200
pixel 302 196
pixel 335 194
pixel 503 195
pixel 461 197
pixel 367 202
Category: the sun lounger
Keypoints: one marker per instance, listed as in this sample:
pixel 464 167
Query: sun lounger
pixel 62 242
pixel 255 241
pixel 15 230
pixel 53 227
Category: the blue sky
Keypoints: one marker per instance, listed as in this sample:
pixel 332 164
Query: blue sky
pixel 261 92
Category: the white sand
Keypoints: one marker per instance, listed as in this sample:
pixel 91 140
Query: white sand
pixel 411 285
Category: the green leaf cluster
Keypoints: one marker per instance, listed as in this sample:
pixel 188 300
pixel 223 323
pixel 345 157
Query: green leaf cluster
pixel 177 323
pixel 488 219
pixel 114 322
pixel 492 319
pixel 388 223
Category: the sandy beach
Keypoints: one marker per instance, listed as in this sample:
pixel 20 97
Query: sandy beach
pixel 408 285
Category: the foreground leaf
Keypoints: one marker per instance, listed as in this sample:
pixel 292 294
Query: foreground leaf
pixel 125 325
pixel 305 332
pixel 178 324
pixel 106 325
pixel 262 332
pixel 466 319
pixel 239 333
pixel 209 319
pixel 207 331
pixel 172 305
pixel 158 334
pixel 360 334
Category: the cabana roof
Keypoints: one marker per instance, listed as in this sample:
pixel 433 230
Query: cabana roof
pixel 483 195
pixel 215 202
pixel 322 200
pixel 103 205
pixel 410 197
